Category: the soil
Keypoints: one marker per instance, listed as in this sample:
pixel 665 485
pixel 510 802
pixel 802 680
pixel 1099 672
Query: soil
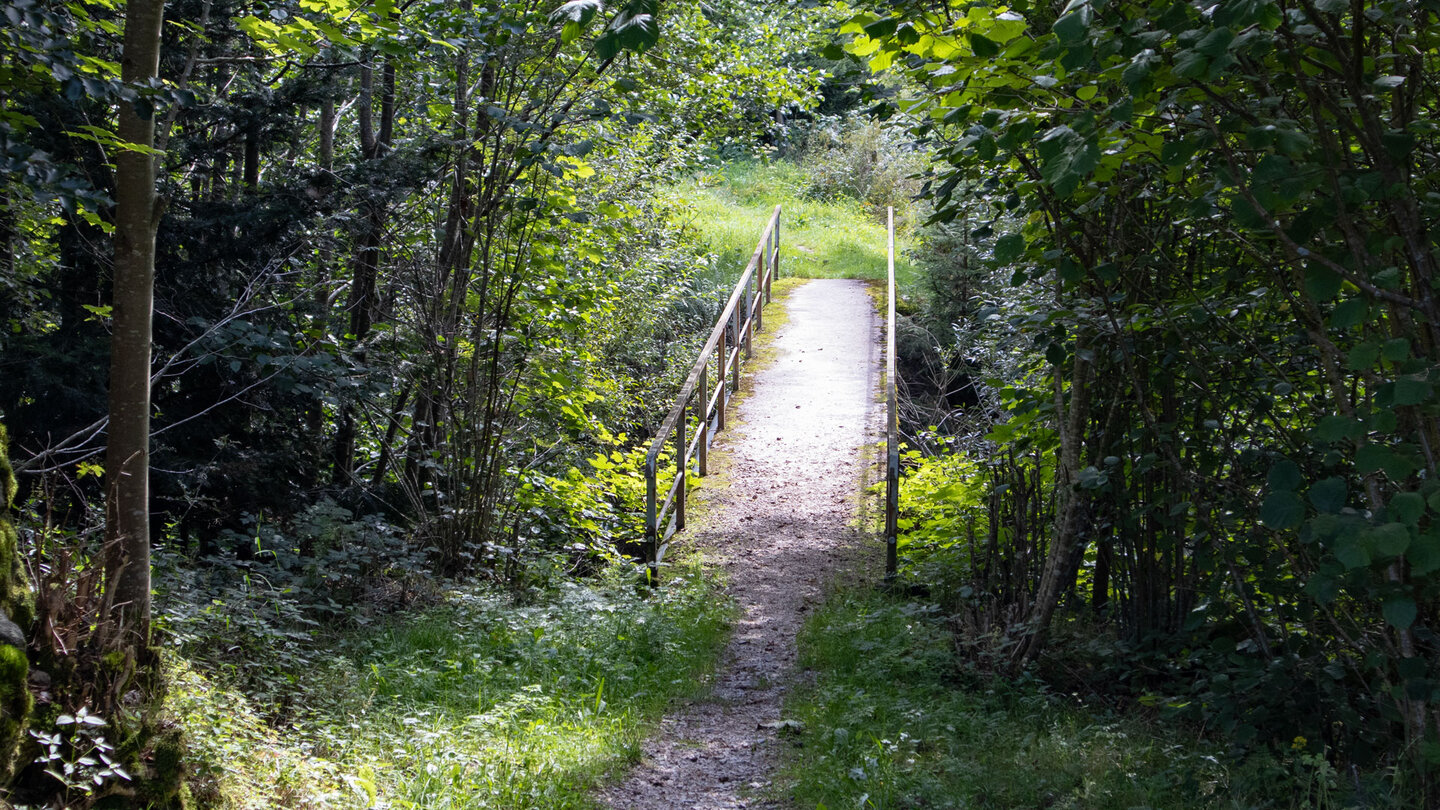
pixel 781 527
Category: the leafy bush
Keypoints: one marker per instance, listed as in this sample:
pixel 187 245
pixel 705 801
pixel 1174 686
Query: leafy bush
pixel 595 516
pixel 867 160
pixel 256 612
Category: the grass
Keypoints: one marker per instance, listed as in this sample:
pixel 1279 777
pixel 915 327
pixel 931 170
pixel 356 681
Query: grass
pixel 475 703
pixel 838 238
pixel 893 720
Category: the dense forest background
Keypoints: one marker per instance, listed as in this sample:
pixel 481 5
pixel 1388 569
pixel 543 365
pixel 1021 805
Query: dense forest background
pixel 425 275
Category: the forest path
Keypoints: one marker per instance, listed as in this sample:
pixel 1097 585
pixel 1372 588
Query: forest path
pixel 780 523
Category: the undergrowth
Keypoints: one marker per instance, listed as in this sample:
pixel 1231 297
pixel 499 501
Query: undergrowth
pixel 895 720
pixel 476 702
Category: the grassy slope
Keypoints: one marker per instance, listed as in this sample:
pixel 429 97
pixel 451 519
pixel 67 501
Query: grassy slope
pixel 475 703
pixel 894 720
pixel 820 239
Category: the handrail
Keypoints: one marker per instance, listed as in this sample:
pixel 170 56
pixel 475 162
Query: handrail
pixel 728 338
pixel 892 423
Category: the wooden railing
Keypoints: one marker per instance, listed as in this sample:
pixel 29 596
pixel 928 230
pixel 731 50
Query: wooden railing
pixel 701 401
pixel 892 419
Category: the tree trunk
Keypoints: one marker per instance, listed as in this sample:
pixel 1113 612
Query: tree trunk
pixel 327 135
pixel 126 626
pixel 1060 559
pixel 363 302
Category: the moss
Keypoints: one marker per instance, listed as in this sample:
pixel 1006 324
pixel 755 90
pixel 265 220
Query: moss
pixel 19 604
pixel 14 669
pixel 113 661
pixel 15 705
pixel 164 785
pixel 16 598
pixel 153 751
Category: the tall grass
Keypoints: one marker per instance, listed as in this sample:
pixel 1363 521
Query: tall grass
pixel 835 238
pixel 894 719
pixel 476 703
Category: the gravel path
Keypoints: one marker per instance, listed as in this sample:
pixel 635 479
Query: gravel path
pixel 780 529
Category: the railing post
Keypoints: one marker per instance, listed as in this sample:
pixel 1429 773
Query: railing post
pixel 773 248
pixel 680 469
pixel 892 428
pixel 777 241
pixel 748 324
pixel 720 387
pixel 760 282
pixel 652 533
pixel 735 367
pixel 703 429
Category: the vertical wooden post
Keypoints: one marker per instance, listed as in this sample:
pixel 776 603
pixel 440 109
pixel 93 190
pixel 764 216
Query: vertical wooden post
pixel 748 324
pixel 735 367
pixel 892 429
pixel 652 531
pixel 776 271
pixel 760 284
pixel 702 405
pixel 680 470
pixel 720 384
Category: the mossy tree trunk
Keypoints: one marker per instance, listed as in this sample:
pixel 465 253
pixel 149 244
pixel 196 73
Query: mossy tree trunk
pixel 17 613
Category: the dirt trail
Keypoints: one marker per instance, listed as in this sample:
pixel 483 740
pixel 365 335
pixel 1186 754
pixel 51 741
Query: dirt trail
pixel 781 528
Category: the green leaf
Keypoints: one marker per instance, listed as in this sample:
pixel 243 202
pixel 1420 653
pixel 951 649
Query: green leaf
pixel 1407 507
pixel 882 28
pixel 1412 391
pixel 1372 458
pixel 1282 510
pixel 1139 68
pixel 580 12
pixel 1396 350
pixel 1390 540
pixel 1328 495
pixel 633 28
pixel 1191 64
pixel 1216 42
pixel 1348 313
pixel 1009 247
pixel 1338 428
pixel 1071 28
pixel 1363 357
pixel 1284 476
pixel 1351 553
pixel 1323 589
pixel 1322 283
pixel 1398 144
pixel 1424 553
pixel 1399 612
pixel 984 47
